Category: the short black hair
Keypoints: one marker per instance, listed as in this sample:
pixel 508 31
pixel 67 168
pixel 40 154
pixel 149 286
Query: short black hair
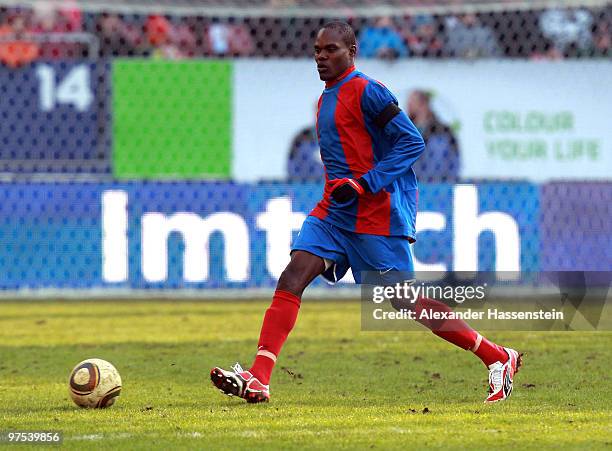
pixel 345 30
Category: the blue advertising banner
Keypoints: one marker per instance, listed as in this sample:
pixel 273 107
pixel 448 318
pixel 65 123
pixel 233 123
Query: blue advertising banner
pixel 488 227
pixel 228 235
pixel 53 118
pixel 577 222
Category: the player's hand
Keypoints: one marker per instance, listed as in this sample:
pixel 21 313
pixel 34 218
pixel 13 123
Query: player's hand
pixel 347 190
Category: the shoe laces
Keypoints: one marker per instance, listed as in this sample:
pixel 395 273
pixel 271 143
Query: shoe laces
pixel 495 376
pixel 237 368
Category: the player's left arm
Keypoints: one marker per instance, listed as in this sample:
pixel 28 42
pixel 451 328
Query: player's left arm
pixel 381 107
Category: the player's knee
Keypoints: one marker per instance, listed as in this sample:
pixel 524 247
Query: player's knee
pixel 298 274
pixel 292 281
pixel 401 304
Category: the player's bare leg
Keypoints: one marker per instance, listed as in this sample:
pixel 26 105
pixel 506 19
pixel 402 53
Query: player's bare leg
pixel 279 319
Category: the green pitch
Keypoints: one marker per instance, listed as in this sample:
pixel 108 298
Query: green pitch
pixel 334 387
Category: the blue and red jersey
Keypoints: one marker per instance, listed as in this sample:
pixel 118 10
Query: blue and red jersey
pixel 354 144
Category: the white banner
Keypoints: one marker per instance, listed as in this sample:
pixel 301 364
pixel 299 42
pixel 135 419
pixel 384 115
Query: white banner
pixel 513 119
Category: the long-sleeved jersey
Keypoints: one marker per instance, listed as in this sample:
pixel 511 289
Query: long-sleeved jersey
pixel 354 143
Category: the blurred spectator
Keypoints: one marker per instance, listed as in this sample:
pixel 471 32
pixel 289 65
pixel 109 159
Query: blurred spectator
pixel 381 41
pixel 65 17
pixel 440 161
pixel 548 53
pixel 423 40
pixel 117 38
pixel 466 37
pixel 16 46
pixel 219 37
pixel 241 42
pixel 159 33
pixel 568 29
pixel 602 39
pixel 185 39
pixel 304 161
pixel 48 20
pixel 229 38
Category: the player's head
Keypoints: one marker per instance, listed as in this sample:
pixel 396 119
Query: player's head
pixel 419 107
pixel 335 49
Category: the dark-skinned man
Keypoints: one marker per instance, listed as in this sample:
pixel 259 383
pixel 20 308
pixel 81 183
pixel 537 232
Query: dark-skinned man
pixel 365 221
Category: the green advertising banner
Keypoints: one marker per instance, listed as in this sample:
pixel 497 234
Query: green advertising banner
pixel 172 119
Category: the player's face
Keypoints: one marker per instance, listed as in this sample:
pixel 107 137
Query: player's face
pixel 332 55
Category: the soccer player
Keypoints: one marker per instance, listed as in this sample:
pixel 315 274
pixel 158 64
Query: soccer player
pixel 365 221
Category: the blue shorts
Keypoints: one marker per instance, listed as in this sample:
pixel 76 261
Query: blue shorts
pixel 377 255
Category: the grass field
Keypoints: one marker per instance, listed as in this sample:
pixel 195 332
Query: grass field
pixel 334 387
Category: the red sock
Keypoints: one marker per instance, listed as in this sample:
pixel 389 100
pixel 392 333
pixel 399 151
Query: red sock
pixel 459 333
pixel 490 352
pixel 278 322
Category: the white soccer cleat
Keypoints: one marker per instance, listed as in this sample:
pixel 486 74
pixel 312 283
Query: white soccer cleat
pixel 240 383
pixel 501 376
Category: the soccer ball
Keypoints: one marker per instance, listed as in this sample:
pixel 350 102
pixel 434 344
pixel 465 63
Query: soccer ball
pixel 94 383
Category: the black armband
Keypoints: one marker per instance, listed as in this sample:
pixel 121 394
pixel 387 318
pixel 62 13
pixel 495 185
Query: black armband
pixel 364 184
pixel 388 113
